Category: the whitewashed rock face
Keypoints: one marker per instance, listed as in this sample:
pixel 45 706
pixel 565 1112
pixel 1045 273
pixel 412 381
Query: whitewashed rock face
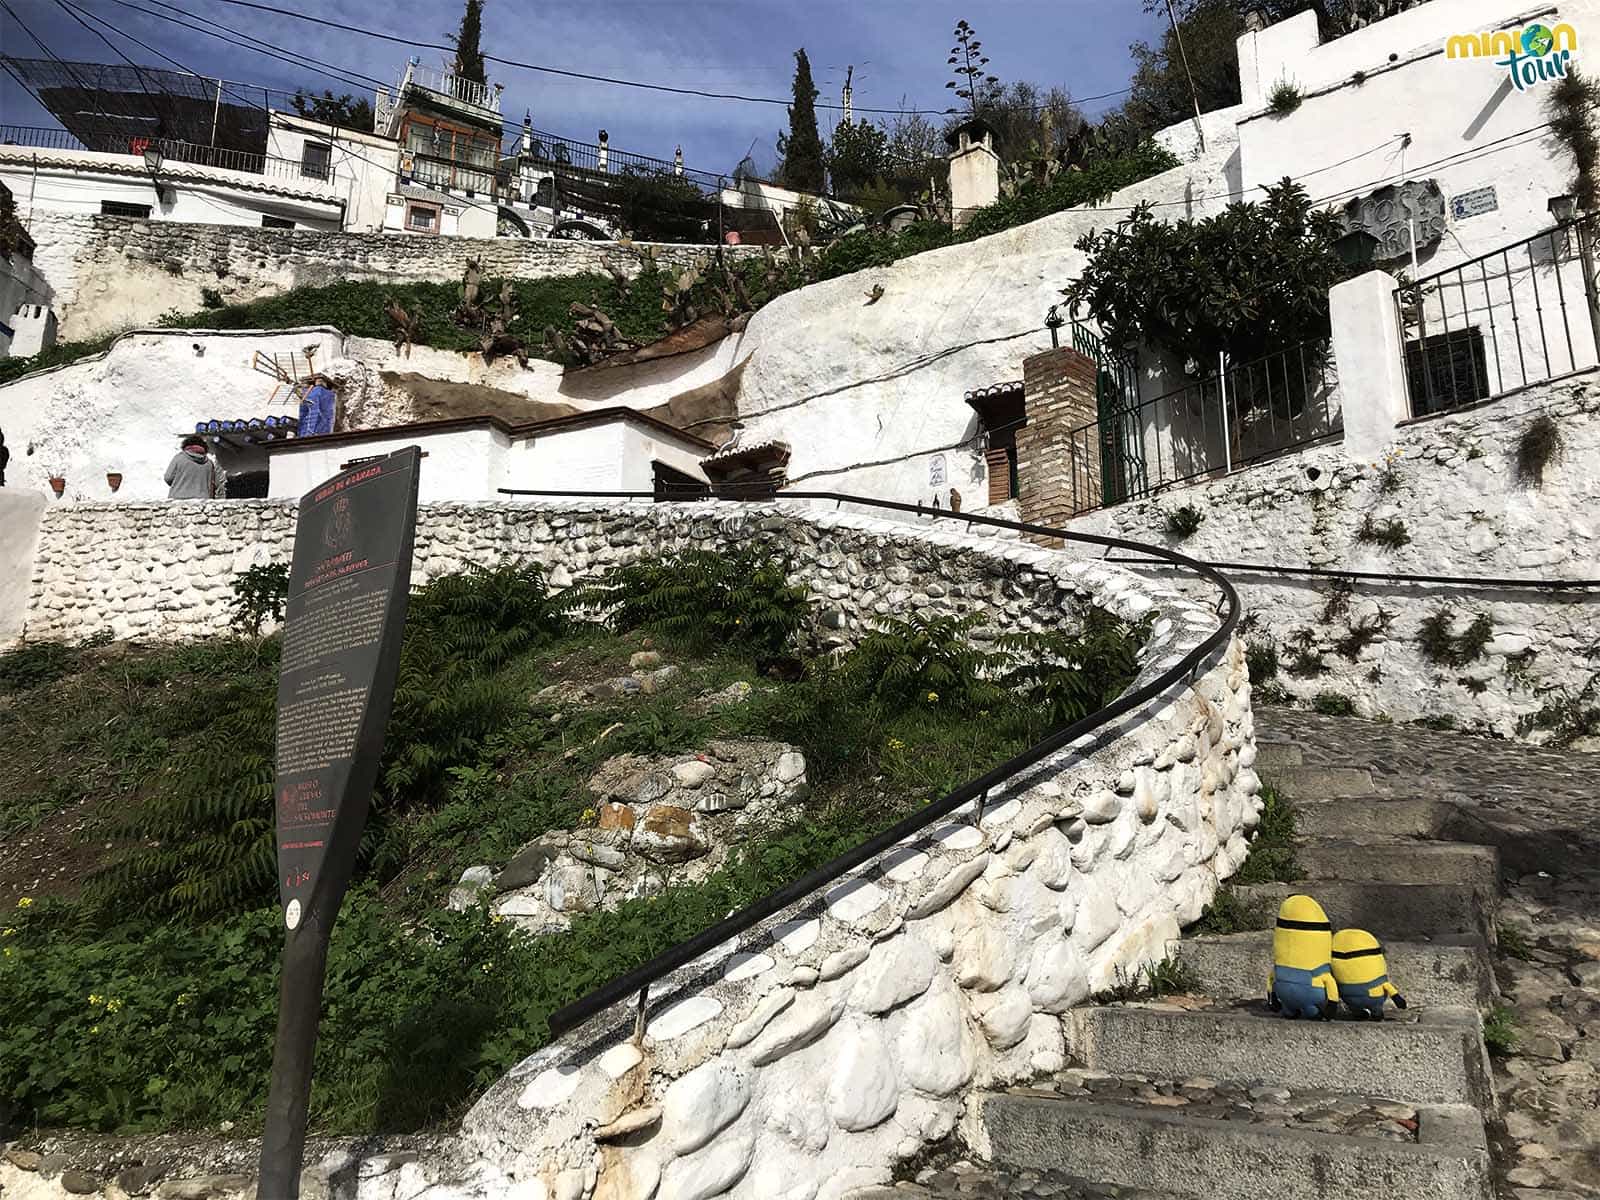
pixel 1454 486
pixel 676 818
pixel 842 1034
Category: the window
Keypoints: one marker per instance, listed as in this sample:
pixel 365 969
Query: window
pixel 276 223
pixel 1446 371
pixel 116 208
pixel 422 218
pixel 671 484
pixel 315 158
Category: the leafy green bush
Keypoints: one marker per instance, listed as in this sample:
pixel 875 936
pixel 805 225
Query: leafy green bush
pixel 702 599
pixel 1261 659
pixel 1064 677
pixel 56 356
pixel 925 659
pixel 1272 849
pixel 1092 185
pixel 1284 98
pixel 1334 704
pixel 1446 649
pixel 259 595
pixel 1183 521
pixel 487 615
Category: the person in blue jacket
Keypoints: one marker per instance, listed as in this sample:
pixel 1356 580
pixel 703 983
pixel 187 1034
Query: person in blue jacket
pixel 316 410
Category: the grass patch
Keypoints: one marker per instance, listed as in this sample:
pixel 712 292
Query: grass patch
pixel 1500 1030
pixel 1334 704
pixel 1150 981
pixel 1272 850
pixel 1391 535
pixel 1183 521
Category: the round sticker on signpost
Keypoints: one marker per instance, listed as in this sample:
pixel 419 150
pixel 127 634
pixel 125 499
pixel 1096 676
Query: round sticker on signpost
pixel 291 915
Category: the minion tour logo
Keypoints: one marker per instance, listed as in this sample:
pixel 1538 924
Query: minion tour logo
pixel 1532 54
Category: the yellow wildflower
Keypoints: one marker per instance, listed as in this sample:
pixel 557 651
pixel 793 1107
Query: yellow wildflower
pixel 8 931
pixel 184 998
pixel 496 919
pixel 113 1005
pixel 8 952
pixel 933 697
pixel 94 1029
pixel 487 967
pixel 896 744
pixel 25 902
pixel 96 999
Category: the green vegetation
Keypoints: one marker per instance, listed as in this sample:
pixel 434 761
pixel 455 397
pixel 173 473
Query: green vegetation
pixel 1284 98
pixel 1568 716
pixel 1229 913
pixel 58 355
pixel 1513 942
pixel 134 992
pixel 1150 981
pixel 259 594
pixel 801 146
pixel 1272 850
pixel 1261 659
pixel 1333 704
pixel 1446 649
pixel 1500 1030
pixel 1389 534
pixel 1540 445
pixel 1183 521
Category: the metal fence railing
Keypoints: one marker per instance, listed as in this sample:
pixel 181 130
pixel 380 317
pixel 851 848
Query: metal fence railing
pixel 636 984
pixel 319 170
pixel 1253 411
pixel 1513 317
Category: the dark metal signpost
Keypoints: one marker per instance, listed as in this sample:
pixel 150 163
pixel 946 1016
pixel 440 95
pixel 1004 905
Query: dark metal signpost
pixel 348 587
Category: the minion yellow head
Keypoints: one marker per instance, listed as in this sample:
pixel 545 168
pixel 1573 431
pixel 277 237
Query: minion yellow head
pixel 1357 957
pixel 1302 938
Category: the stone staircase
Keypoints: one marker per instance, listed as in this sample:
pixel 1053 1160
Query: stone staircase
pixel 1209 1095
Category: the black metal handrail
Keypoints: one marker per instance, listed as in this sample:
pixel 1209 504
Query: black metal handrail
pixel 636 983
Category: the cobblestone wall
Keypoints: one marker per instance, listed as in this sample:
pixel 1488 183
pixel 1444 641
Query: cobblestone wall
pixel 1450 489
pixel 111 273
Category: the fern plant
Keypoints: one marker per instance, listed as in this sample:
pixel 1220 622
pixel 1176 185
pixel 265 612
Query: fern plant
pixel 924 660
pixel 1068 675
pixel 702 599
pixel 486 616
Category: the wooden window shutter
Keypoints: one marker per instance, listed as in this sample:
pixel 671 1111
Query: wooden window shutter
pixel 999 466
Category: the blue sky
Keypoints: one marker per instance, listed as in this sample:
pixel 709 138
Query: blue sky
pixel 898 46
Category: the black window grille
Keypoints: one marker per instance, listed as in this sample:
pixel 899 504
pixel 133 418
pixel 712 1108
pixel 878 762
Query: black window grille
pixel 117 208
pixel 1446 370
pixel 315 160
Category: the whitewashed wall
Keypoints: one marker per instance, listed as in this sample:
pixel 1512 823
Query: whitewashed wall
pixel 460 464
pixel 1456 492
pixel 364 167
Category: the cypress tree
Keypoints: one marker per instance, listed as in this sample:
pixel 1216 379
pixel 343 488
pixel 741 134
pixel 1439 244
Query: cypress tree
pixel 802 148
pixel 469 55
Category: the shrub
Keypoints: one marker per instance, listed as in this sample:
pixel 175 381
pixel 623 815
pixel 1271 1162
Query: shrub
pixel 259 594
pixel 1360 636
pixel 1540 445
pixel 1272 850
pixel 1284 98
pixel 1390 534
pixel 1228 913
pixel 488 615
pixel 1182 522
pixel 1445 649
pixel 1334 704
pixel 925 659
pixel 1065 677
pixel 702 599
pixel 1500 1030
pixel 1568 716
pixel 1261 659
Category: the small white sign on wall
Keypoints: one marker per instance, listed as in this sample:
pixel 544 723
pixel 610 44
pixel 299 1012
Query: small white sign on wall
pixel 936 471
pixel 1474 203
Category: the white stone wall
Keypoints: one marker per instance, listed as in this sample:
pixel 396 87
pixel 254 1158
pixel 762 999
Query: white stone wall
pixel 1454 487
pixel 805 1057
pixel 111 273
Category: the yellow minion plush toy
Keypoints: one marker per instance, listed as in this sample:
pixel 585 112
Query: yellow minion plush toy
pixel 1302 983
pixel 1362 975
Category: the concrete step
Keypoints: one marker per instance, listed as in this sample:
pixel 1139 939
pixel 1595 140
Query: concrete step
pixel 984 1181
pixel 1278 754
pixel 1319 783
pixel 1373 817
pixel 1394 860
pixel 1228 1159
pixel 1424 1056
pixel 1395 912
pixel 1234 966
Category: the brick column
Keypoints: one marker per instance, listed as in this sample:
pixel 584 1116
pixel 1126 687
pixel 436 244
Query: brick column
pixel 1058 461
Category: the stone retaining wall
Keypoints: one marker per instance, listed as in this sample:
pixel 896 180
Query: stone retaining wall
pixel 1451 483
pixel 807 1056
pixel 111 273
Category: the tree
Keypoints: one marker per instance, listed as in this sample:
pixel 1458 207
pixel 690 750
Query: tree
pixel 1249 281
pixel 801 147
pixel 1160 97
pixel 1028 121
pixel 346 111
pixel 972 83
pixel 469 54
pixel 856 157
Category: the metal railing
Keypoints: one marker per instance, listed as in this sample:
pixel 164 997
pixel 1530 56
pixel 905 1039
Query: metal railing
pixel 1253 411
pixel 635 984
pixel 556 151
pixel 1516 316
pixel 222 157
pixel 456 87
